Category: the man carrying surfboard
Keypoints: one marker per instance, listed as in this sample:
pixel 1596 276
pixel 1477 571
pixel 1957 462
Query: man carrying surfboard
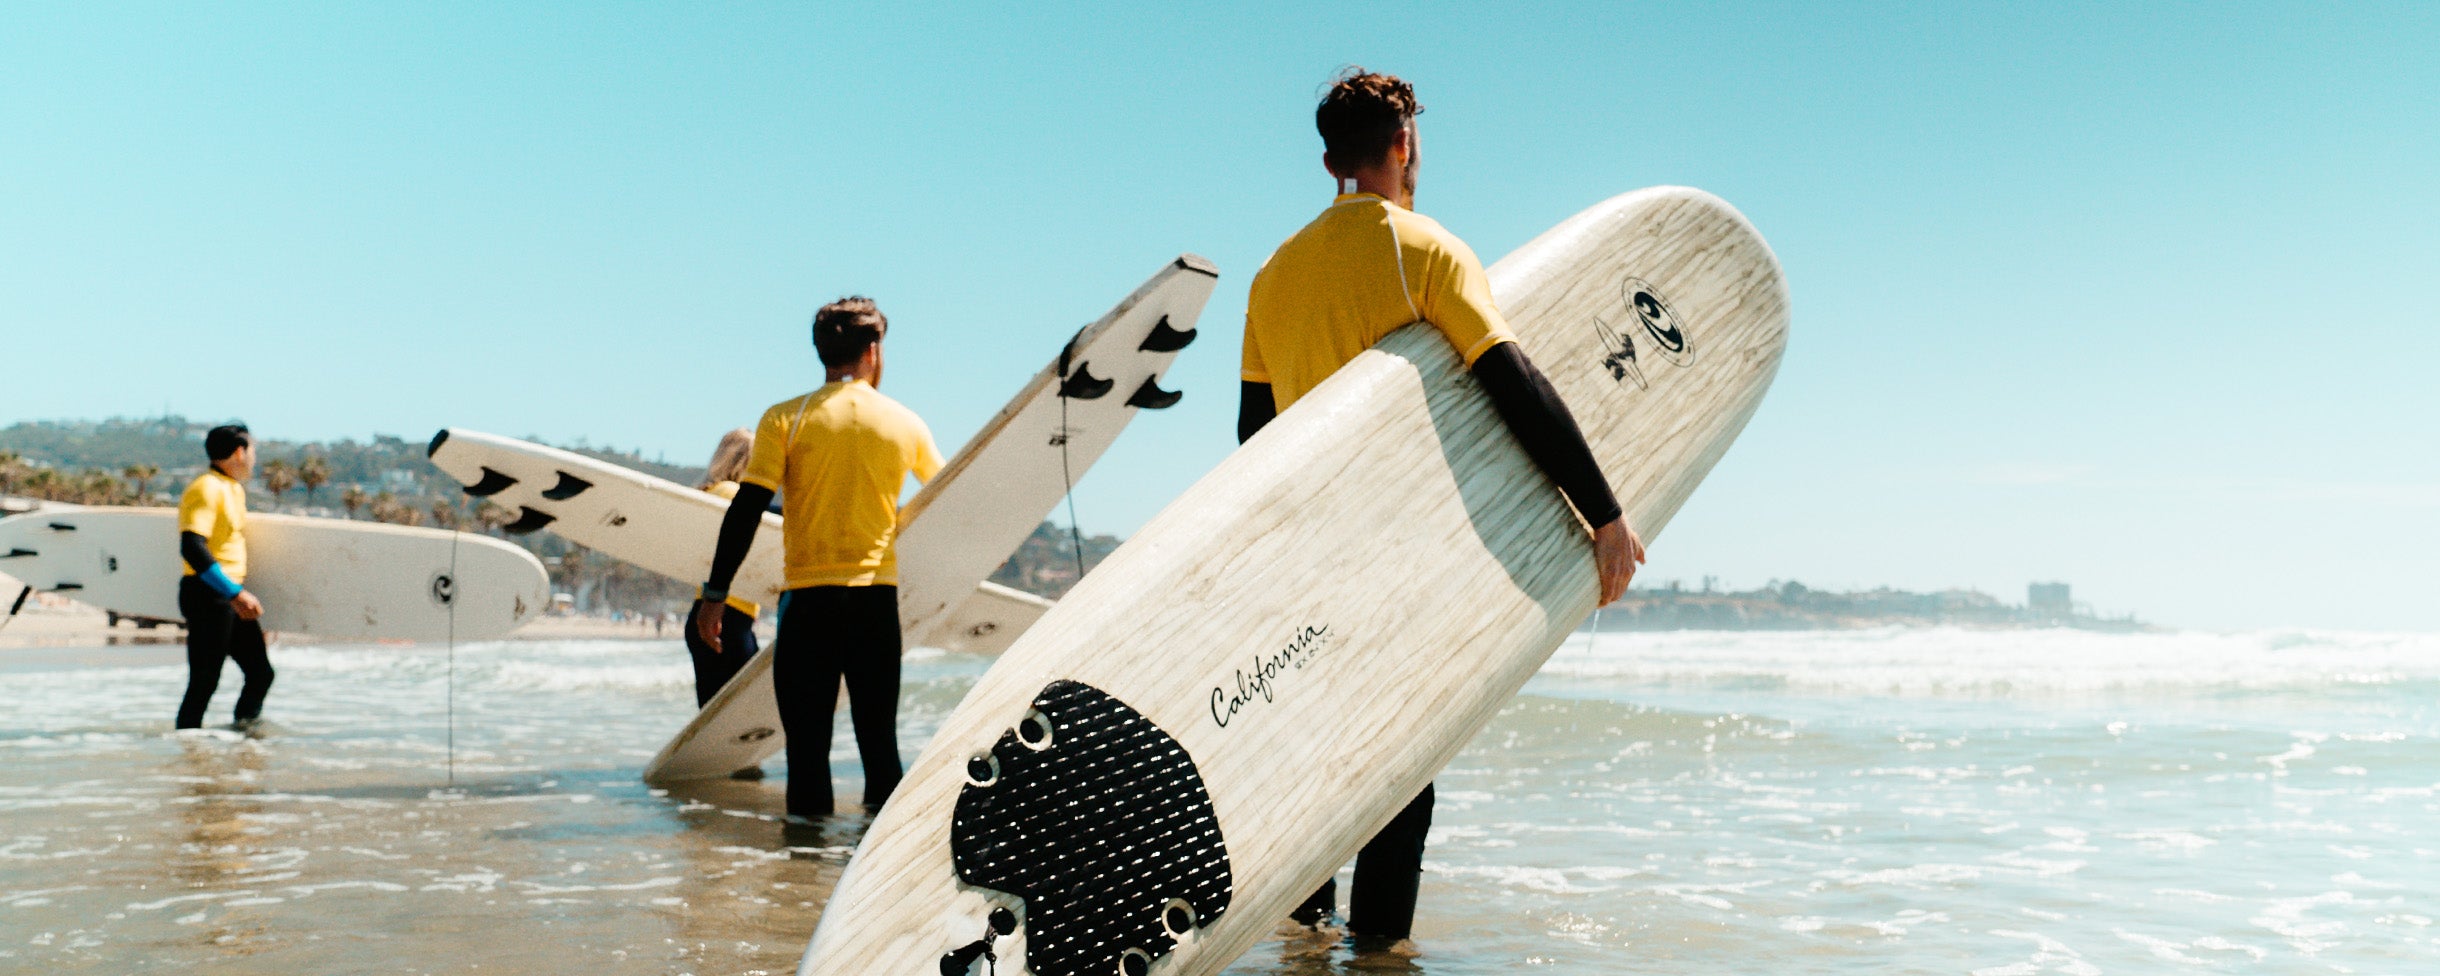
pixel 1366 267
pixel 222 619
pixel 837 457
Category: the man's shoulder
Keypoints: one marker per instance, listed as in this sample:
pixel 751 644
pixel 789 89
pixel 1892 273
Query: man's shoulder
pixel 887 409
pixel 1415 228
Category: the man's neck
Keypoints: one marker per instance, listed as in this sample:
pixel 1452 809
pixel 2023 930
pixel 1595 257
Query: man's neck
pixel 1380 181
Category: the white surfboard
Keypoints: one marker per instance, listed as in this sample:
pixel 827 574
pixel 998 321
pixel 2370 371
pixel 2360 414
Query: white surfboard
pixel 1257 681
pixel 983 504
pixel 668 528
pixel 331 578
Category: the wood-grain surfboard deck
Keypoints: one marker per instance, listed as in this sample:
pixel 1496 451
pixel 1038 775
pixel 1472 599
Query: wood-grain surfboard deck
pixel 1257 681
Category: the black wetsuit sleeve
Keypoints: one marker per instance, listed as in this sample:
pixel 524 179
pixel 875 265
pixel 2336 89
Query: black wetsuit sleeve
pixel 1255 408
pixel 1542 423
pixel 737 530
pixel 197 555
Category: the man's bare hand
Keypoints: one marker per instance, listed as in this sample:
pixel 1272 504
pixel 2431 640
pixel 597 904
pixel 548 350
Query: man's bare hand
pixel 707 623
pixel 1616 551
pixel 247 607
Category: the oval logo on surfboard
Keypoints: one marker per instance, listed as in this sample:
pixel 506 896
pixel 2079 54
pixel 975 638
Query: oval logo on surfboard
pixel 444 589
pixel 757 734
pixel 1660 325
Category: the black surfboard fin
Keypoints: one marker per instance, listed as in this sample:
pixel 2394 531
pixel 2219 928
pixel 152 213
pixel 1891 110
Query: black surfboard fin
pixel 1166 339
pixel 19 552
pixel 492 483
pixel 1150 396
pixel 62 527
pixel 19 605
pixel 569 486
pixel 528 520
pixel 1081 384
pixel 65 587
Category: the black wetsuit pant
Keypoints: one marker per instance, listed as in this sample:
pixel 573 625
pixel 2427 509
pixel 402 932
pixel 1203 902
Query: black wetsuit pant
pixel 1381 901
pixel 214 635
pixel 713 671
pixel 827 633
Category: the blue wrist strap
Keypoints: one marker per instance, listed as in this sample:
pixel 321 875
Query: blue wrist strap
pixel 218 579
pixel 712 594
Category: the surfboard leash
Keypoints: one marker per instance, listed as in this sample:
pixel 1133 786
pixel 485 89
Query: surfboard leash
pixel 1067 479
pixel 450 762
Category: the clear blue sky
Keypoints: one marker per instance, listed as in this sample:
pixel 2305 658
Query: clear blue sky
pixel 2133 296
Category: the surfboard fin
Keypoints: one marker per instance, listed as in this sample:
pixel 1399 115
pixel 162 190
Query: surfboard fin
pixel 569 486
pixel 528 520
pixel 1166 339
pixel 19 605
pixel 19 552
pixel 492 483
pixel 1150 396
pixel 1081 384
pixel 62 527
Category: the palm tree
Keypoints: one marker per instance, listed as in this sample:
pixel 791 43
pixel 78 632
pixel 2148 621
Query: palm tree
pixel 278 477
pixel 353 498
pixel 142 475
pixel 313 474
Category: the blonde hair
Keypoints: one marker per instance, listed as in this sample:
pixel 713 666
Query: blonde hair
pixel 729 459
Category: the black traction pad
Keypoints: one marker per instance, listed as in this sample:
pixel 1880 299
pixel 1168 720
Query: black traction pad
pixel 1100 822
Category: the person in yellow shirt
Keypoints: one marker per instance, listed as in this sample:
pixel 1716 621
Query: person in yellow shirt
pixel 837 458
pixel 715 664
pixel 222 619
pixel 1366 267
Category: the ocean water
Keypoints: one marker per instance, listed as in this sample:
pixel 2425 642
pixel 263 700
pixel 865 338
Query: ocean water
pixel 1886 801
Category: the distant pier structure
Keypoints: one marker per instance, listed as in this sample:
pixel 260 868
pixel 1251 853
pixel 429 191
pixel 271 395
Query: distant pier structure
pixel 2049 601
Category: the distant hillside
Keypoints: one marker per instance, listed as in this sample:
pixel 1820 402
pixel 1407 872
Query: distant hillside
pixel 175 445
pixel 388 479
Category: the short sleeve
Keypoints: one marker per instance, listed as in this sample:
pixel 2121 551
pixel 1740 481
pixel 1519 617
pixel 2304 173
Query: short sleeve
pixel 1251 367
pixel 196 513
pixel 769 462
pixel 1455 296
pixel 927 461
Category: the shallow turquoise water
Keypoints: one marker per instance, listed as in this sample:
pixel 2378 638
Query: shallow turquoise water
pixel 1900 801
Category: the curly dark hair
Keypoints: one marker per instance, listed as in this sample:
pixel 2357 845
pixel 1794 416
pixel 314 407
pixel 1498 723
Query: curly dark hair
pixel 1360 116
pixel 843 329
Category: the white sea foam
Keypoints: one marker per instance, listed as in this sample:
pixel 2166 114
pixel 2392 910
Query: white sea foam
pixel 1946 661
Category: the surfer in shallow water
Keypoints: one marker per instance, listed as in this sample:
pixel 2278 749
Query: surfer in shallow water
pixel 715 664
pixel 837 458
pixel 222 619
pixel 1366 267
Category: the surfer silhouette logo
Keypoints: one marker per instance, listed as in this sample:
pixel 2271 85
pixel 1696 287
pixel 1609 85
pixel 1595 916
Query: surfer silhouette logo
pixel 1098 822
pixel 1620 358
pixel 1645 303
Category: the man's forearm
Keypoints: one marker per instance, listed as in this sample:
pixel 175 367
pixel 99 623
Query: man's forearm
pixel 737 530
pixel 1255 409
pixel 1548 432
pixel 198 556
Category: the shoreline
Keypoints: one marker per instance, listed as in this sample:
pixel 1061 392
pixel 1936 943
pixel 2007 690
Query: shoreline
pixel 52 621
